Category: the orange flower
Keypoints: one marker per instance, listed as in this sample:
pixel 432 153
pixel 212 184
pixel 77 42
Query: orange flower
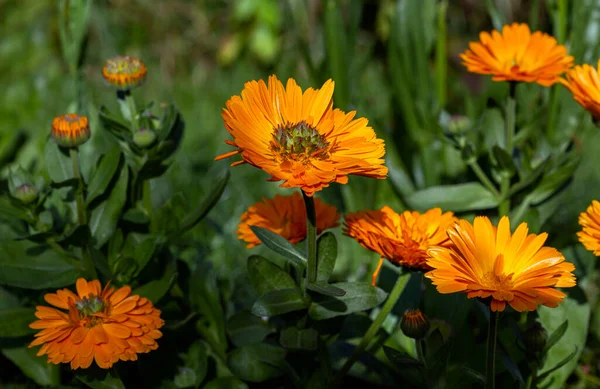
pixel 401 238
pixel 124 72
pixel 590 221
pixel 101 324
pixel 487 261
pixel 286 216
pixel 584 84
pixel 298 137
pixel 70 130
pixel 518 55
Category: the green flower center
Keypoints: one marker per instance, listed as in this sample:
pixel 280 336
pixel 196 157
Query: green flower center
pixel 298 142
pixel 90 305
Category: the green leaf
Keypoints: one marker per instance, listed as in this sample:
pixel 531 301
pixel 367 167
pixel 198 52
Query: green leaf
pixel 358 297
pixel 8 300
pixel 326 254
pixel 207 203
pixel 59 164
pixel 156 289
pixel 503 161
pixel 99 380
pixel 335 39
pixel 457 198
pixel 266 276
pixel 578 314
pixel 14 322
pixel 281 246
pixel 325 289
pixel 34 367
pixel 560 364
pixel 294 338
pixel 26 265
pixel 104 174
pixel 278 302
pixel 141 247
pixel 225 383
pixel 557 335
pixel 11 211
pixel 552 181
pixel 245 328
pixel 410 369
pixel 256 362
pixel 196 365
pixel 105 216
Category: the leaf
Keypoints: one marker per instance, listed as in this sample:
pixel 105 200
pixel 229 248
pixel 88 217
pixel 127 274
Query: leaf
pixel 14 322
pixel 278 302
pixel 575 336
pixel 104 174
pixel 266 276
pixel 256 362
pixel 410 369
pixel 34 367
pixel 358 297
pixel 225 383
pixel 99 380
pixel 196 366
pixel 11 211
pixel 557 335
pixel 294 338
pixel 8 300
pixel 26 265
pixel 156 289
pixel 281 246
pixel 552 181
pixel 245 328
pixel 141 247
pixel 105 216
pixel 326 254
pixel 325 289
pixel 457 198
pixel 558 365
pixel 58 164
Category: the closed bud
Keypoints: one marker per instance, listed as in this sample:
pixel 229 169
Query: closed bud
pixel 21 185
pixel 459 124
pixel 414 324
pixel 124 72
pixel 70 130
pixel 26 193
pixel 535 338
pixel 144 137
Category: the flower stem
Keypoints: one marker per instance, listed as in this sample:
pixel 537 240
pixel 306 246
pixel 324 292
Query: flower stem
pixel 490 369
pixel 511 108
pixel 534 377
pixel 420 355
pixel 311 237
pixel 132 111
pixel 81 212
pixel 373 329
pixel 484 178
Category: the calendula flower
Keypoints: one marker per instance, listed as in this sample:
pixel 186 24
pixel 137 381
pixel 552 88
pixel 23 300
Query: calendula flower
pixel 124 72
pixel 584 84
pixel 486 261
pixel 100 324
pixel 298 137
pixel 401 238
pixel 518 55
pixel 286 216
pixel 70 130
pixel 590 222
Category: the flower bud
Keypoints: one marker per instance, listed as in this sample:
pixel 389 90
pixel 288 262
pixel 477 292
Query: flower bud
pixel 124 72
pixel 459 124
pixel 414 324
pixel 70 130
pixel 535 338
pixel 144 137
pixel 26 193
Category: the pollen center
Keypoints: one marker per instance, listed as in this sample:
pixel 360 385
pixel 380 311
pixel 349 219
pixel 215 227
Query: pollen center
pixel 299 142
pixel 497 281
pixel 89 305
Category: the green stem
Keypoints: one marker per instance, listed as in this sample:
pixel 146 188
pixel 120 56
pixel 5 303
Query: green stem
pixel 483 177
pixel 420 355
pixel 534 377
pixel 311 237
pixel 147 196
pixel 132 111
pixel 441 54
pixel 81 212
pixel 373 329
pixel 511 108
pixel 490 369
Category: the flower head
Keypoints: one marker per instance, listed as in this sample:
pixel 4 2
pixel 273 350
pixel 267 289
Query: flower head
pixel 124 72
pixel 518 55
pixel 584 84
pixel 401 238
pixel 298 137
pixel 590 222
pixel 70 130
pixel 100 324
pixel 286 216
pixel 486 261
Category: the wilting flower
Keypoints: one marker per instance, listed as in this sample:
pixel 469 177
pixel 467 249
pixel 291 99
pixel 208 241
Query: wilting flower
pixel 401 238
pixel 124 72
pixel 70 130
pixel 590 221
pixel 298 137
pixel 518 55
pixel 584 84
pixel 286 216
pixel 487 261
pixel 101 324
pixel 414 324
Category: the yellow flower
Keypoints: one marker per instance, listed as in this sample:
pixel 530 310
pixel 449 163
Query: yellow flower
pixel 590 222
pixel 489 262
pixel 286 216
pixel 124 72
pixel 584 84
pixel 101 324
pixel 70 130
pixel 518 55
pixel 298 137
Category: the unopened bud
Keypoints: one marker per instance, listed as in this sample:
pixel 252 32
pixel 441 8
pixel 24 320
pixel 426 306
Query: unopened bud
pixel 459 124
pixel 70 130
pixel 144 137
pixel 535 338
pixel 26 193
pixel 124 72
pixel 414 324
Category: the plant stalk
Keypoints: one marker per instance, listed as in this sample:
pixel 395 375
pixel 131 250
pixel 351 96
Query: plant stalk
pixel 490 367
pixel 311 237
pixel 132 111
pixel 484 178
pixel 511 108
pixel 373 329
pixel 81 212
